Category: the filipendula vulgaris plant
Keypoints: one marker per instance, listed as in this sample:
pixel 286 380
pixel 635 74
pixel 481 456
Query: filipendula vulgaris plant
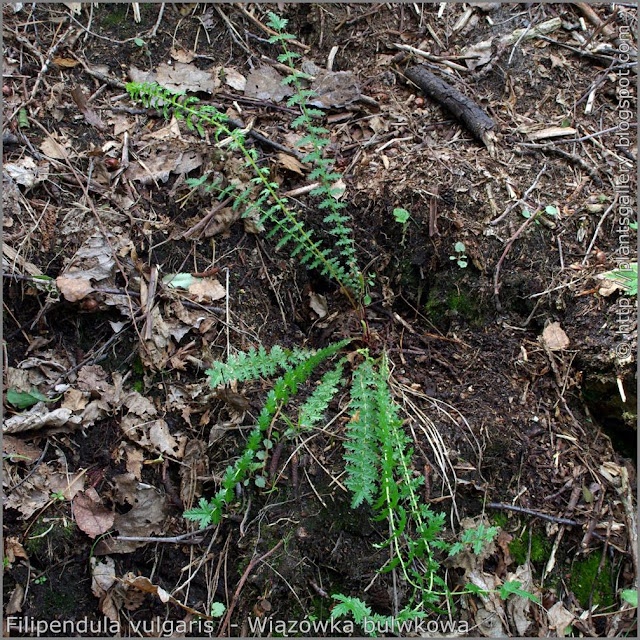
pixel 337 262
pixel 378 455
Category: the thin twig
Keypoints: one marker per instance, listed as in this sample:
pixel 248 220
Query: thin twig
pixel 521 200
pixel 531 512
pixel 202 225
pixel 183 539
pixel 510 242
pixel 154 31
pixel 595 233
pixel 243 579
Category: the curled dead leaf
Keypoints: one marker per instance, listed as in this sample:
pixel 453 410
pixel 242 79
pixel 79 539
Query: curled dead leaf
pixel 91 516
pixel 290 162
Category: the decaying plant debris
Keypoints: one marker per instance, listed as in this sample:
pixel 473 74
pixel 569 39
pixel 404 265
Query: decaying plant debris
pixel 125 279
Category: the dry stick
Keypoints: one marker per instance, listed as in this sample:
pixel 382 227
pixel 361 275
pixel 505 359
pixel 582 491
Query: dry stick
pixel 202 225
pixel 154 31
pixel 595 233
pixel 183 539
pixel 521 200
pixel 625 493
pixel 243 579
pixel 510 242
pixel 150 302
pixel 530 149
pixel 232 30
pixel 463 107
pixel 531 512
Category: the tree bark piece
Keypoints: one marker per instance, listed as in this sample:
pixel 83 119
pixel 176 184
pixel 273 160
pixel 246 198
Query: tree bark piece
pixel 462 107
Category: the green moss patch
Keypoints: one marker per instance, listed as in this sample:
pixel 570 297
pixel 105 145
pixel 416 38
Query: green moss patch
pixel 540 547
pixel 585 578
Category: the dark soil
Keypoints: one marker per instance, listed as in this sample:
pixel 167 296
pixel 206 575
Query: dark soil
pixel 541 429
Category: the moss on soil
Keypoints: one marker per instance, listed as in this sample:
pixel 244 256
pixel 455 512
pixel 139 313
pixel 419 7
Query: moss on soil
pixel 540 547
pixel 585 578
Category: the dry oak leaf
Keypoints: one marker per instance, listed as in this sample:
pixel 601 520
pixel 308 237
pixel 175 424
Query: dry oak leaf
pixel 91 516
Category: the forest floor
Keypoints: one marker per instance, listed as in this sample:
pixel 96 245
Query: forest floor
pixel 511 354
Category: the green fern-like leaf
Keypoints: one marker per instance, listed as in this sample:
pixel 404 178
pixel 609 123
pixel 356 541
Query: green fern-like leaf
pixel 312 411
pixel 253 364
pixel 349 605
pixel 362 458
pixel 204 514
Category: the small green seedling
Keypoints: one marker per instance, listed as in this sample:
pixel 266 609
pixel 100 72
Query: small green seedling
pixel 40 580
pixel 633 225
pixel 57 495
pixel 626 278
pixel 460 257
pixel 549 210
pixel 402 217
pixel 217 609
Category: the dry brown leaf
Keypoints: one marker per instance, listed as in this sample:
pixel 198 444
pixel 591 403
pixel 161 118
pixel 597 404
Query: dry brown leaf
pixel 161 438
pixel 334 89
pixel 340 188
pixel 74 289
pixel 318 303
pixel 145 585
pixel 138 404
pixel 75 400
pixel 265 83
pixel 221 221
pixel 160 161
pixel 38 418
pixel 179 77
pixel 16 449
pixel 103 575
pixel 182 55
pixel 554 337
pixel 146 517
pixel 559 618
pixel 12 550
pixel 109 607
pixel 93 378
pixel 518 607
pixel 53 149
pixel 68 485
pixel 234 79
pixel 65 63
pixel 91 516
pixel 290 162
pixel 195 464
pixel 14 605
pixel 552 132
pixel 135 457
pixel 207 290
pixel 26 172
